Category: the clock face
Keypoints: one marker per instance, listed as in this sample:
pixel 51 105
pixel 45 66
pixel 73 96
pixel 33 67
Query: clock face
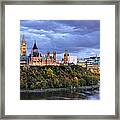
pixel 24 44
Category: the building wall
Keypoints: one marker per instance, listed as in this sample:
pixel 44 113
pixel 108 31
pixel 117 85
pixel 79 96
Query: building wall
pixel 72 59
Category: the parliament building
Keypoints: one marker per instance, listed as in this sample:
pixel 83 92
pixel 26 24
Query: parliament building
pixel 35 58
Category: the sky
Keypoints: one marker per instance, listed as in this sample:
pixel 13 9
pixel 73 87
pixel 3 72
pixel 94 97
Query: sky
pixel 80 37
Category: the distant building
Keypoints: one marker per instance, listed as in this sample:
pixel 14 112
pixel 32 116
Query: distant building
pixel 93 60
pixel 72 59
pixel 91 63
pixel 81 62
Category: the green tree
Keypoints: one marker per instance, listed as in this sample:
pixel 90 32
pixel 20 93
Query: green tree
pixel 49 72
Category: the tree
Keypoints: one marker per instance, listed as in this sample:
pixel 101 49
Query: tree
pixel 56 76
pixel 49 72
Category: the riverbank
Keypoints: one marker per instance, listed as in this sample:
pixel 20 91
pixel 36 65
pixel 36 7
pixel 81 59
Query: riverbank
pixel 63 89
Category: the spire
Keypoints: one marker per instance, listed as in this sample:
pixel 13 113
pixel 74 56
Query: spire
pixel 35 46
pixel 23 37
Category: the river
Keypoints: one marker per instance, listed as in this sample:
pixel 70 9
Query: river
pixel 60 95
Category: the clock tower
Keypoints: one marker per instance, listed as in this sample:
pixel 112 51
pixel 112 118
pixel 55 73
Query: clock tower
pixel 23 46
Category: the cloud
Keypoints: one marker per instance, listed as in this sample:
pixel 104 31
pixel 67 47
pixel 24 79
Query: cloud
pixel 81 38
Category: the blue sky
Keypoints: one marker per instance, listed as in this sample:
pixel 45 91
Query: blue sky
pixel 80 37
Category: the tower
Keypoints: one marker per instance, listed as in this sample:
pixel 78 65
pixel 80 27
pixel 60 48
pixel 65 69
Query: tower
pixel 54 57
pixel 48 55
pixel 48 58
pixel 23 56
pixel 34 51
pixel 35 56
pixel 66 56
pixel 23 46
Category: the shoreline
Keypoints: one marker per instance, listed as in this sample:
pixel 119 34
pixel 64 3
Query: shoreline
pixel 61 89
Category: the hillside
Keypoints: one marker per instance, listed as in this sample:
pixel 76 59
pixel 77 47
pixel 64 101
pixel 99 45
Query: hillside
pixel 56 77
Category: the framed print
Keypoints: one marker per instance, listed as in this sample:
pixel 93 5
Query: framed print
pixel 59 59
